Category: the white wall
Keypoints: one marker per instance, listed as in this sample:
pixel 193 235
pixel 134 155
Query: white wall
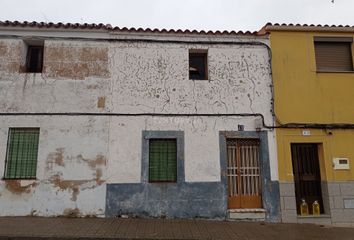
pixel 202 153
pixel 72 151
pixel 153 78
pixel 78 155
pixel 70 169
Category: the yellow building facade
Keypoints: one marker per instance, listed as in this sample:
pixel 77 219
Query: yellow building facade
pixel 313 81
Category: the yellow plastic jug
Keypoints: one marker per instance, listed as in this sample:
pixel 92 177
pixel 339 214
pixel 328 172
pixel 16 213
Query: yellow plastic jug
pixel 316 208
pixel 304 208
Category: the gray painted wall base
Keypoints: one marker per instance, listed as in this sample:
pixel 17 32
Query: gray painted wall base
pixel 170 200
pixel 270 201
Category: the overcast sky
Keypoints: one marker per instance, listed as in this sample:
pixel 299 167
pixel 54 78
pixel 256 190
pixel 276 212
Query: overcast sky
pixel 182 14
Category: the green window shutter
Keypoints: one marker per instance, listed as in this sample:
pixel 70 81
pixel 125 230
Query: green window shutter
pixel 162 160
pixel 22 152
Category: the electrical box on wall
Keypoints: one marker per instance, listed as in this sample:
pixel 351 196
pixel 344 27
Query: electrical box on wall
pixel 340 163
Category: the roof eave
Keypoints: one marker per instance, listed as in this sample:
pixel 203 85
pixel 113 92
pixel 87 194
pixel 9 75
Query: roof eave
pixel 344 29
pixel 86 27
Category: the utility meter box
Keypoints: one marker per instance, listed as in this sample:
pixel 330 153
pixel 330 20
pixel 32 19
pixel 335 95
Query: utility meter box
pixel 340 163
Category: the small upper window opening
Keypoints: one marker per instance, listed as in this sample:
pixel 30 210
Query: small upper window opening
pixel 34 58
pixel 198 64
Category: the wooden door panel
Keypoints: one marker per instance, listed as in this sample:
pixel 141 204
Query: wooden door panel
pixel 243 173
pixel 250 201
pixel 234 202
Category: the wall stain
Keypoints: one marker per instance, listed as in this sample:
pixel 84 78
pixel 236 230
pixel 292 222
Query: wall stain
pixel 76 62
pixel 99 174
pixel 9 57
pixel 56 157
pixel 101 102
pixel 14 186
pixel 92 87
pixel 76 192
pixel 71 212
pixel 75 186
pixel 3 48
pixel 33 213
pixel 72 185
pixel 93 163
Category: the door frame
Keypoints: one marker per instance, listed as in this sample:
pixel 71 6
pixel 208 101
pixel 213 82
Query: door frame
pixel 270 189
pixel 297 181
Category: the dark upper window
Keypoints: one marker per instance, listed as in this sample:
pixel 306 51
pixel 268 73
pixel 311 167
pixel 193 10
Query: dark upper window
pixel 198 65
pixel 162 160
pixel 333 54
pixel 21 155
pixel 34 59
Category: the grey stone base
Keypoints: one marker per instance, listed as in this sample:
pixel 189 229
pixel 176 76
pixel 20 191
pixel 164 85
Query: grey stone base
pixel 270 197
pixel 170 200
pixel 338 200
pixel 180 200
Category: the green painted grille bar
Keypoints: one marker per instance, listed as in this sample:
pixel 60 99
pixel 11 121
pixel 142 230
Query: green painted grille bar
pixel 22 153
pixel 162 160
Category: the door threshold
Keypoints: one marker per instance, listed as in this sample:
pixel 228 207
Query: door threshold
pixel 248 214
pixel 247 210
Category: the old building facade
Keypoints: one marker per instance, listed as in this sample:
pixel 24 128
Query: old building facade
pixel 101 121
pixel 313 85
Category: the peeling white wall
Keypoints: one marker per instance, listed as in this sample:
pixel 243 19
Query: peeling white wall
pixel 153 78
pixel 71 158
pixel 72 151
pixel 201 137
pixel 143 78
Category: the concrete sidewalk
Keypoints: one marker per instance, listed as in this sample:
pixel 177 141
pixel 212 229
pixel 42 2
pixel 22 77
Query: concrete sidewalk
pixel 113 228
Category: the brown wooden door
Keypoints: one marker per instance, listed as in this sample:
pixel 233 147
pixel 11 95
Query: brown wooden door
pixel 243 174
pixel 307 176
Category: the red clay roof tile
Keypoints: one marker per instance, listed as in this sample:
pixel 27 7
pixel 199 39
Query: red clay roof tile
pixel 108 27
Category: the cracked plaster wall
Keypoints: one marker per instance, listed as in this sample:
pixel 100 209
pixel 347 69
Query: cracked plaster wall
pixel 72 152
pixel 153 78
pixel 70 170
pixel 79 155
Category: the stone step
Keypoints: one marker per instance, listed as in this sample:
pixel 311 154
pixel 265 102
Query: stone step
pixel 252 214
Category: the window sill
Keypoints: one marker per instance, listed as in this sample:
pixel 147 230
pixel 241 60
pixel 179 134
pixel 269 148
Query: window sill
pixel 201 80
pixel 22 182
pixel 30 72
pixel 329 71
pixel 19 179
pixel 162 182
